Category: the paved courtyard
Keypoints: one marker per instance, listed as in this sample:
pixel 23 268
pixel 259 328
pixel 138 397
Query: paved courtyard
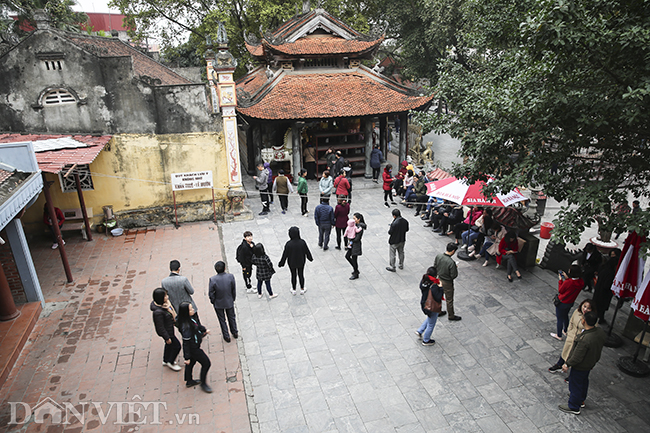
pixel 344 356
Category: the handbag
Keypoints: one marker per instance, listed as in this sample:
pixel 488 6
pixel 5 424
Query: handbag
pixel 556 300
pixel 431 304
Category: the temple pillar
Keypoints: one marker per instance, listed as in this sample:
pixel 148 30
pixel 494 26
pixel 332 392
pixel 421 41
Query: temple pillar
pixel 383 133
pixel 296 149
pixel 367 132
pixel 23 260
pixel 403 136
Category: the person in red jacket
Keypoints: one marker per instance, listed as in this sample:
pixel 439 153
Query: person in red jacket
pixel 569 287
pixel 48 222
pixel 509 247
pixel 387 176
pixel 342 185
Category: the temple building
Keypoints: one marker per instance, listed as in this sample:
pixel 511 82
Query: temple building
pixel 311 89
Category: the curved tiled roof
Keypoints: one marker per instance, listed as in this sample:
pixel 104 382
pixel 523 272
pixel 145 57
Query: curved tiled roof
pixel 324 46
pixel 349 93
pixel 142 64
pixel 255 50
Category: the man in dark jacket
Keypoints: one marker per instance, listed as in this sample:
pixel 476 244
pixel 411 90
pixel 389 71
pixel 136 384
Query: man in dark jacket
pixel 447 273
pixel 397 239
pixel 244 255
pixel 420 189
pixel 296 252
pixel 590 262
pixel 222 293
pixel 324 217
pixel 583 357
pixel 338 164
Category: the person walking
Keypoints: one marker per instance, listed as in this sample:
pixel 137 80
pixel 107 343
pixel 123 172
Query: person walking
pixel 269 188
pixel 396 240
pixel 326 184
pixel 282 187
pixel 164 317
pixel 429 283
pixel 295 252
pixel 569 287
pixel 262 185
pixel 193 332
pixel 222 292
pixel 341 213
pixel 375 162
pixel 447 273
pixel 178 287
pixel 265 271
pixel 324 218
pixel 575 329
pixel 309 156
pixel 352 256
pixel 244 256
pixel 303 189
pixel 583 357
pixel 388 179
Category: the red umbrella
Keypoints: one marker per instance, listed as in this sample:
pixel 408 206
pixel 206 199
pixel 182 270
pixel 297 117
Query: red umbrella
pixel 641 303
pixel 630 268
pixel 460 192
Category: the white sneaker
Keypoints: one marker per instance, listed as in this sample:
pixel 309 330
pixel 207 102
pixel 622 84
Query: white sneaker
pixel 55 246
pixel 302 291
pixel 471 248
pixel 173 366
pixel 275 295
pixel 293 292
pixel 498 266
pixel 251 291
pixel 486 263
pixel 259 296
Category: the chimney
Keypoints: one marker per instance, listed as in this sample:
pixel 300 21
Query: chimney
pixel 42 19
pixel 306 7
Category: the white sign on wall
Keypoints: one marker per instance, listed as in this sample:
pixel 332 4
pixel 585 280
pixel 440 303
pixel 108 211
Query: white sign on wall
pixel 194 180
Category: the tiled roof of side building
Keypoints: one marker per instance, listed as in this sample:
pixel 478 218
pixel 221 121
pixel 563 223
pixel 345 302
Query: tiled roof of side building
pixel 142 64
pixel 324 46
pixel 329 95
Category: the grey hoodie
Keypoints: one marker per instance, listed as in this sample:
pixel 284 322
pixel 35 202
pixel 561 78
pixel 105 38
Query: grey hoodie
pixel 262 180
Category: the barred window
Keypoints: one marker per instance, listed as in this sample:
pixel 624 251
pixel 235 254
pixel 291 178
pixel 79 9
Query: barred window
pixel 68 183
pixel 58 97
pixel 53 65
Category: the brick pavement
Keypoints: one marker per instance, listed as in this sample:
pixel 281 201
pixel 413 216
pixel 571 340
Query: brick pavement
pixel 95 340
pixel 344 357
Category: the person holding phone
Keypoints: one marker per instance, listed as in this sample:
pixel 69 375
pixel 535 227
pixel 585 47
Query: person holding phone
pixel 569 287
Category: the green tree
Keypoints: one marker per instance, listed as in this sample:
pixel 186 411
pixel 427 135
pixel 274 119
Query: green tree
pixel 556 94
pixel 60 11
pixel 200 18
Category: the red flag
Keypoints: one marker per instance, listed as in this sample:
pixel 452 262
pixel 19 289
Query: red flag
pixel 630 268
pixel 641 303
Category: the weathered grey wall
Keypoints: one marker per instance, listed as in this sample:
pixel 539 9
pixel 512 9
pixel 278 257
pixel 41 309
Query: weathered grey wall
pixel 112 99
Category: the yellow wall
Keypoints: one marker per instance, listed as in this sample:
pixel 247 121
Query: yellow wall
pixel 134 171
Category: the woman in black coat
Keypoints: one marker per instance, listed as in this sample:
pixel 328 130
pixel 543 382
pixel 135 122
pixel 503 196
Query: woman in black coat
pixel 355 251
pixel 193 333
pixel 603 288
pixel 295 252
pixel 163 319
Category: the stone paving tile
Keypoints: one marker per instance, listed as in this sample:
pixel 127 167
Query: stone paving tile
pixel 351 343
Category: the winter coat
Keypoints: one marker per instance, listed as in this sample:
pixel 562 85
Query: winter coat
pixel 281 185
pixel 356 243
pixel 569 289
pixel 222 290
pixel 397 231
pixel 388 179
pixel 375 158
pixel 341 213
pixel 587 349
pixel 267 166
pixel 338 166
pixel 59 216
pixel 504 246
pixel 603 288
pixel 351 230
pixel 264 267
pixel 493 250
pixel 309 154
pixel 262 181
pixel 295 250
pixel 245 253
pixel 303 188
pixel 426 285
pixel 192 334
pixel 325 185
pixel 446 266
pixel 179 290
pixel 342 185
pixel 324 215
pixel 163 321
pixel 575 328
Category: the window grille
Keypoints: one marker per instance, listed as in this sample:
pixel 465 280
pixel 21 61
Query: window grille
pixel 53 65
pixel 327 62
pixel 58 97
pixel 68 183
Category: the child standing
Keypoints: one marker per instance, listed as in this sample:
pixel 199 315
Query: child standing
pixel 295 252
pixel 264 270
pixel 350 233
pixel 302 191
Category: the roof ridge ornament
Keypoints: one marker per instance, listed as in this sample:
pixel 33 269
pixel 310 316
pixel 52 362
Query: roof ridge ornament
pixel 251 39
pixel 377 31
pixel 222 37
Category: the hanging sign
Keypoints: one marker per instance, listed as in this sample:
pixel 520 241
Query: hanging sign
pixel 194 180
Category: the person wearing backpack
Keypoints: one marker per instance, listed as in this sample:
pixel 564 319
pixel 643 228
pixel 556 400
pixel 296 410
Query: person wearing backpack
pixel 430 286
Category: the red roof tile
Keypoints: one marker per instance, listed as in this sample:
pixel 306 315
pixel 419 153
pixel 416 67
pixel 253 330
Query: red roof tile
pixel 255 50
pixel 142 64
pixel 349 93
pixel 53 161
pixel 4 175
pixel 252 81
pixel 324 46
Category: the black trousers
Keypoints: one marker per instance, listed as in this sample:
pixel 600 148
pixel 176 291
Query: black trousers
pixel 221 315
pixel 388 195
pixel 284 201
pixel 198 355
pixel 300 273
pixel 353 260
pixel 171 350
pixel 246 273
pixel 311 170
pixel 264 196
pixel 339 233
pixel 375 173
pixel 303 203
